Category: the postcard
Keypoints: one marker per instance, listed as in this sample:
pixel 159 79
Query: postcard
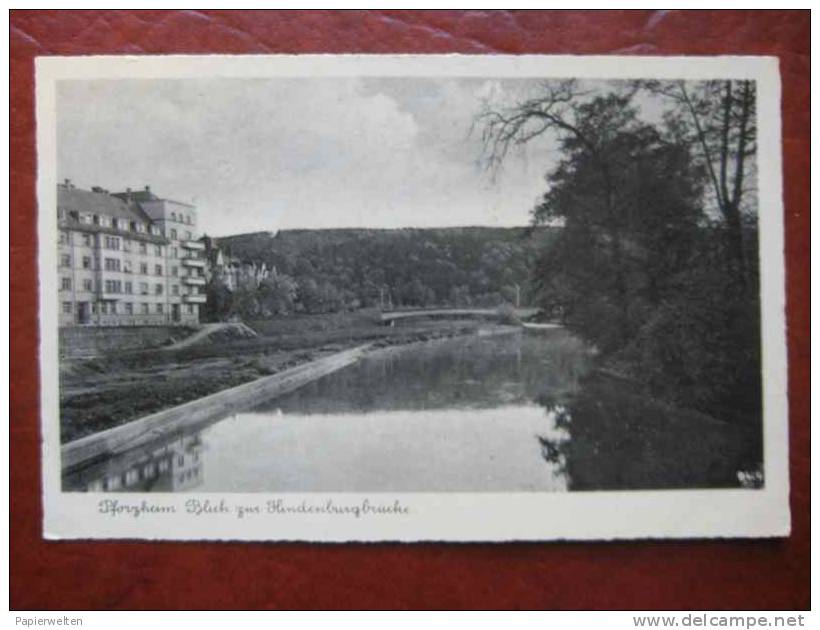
pixel 341 298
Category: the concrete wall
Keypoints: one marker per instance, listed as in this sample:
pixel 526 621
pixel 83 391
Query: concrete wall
pixel 94 340
pixel 220 404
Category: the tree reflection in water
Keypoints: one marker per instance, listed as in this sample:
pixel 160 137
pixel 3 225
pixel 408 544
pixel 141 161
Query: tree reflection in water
pixel 514 412
pixel 618 440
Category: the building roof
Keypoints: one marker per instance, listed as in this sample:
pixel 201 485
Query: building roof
pixel 73 199
pixel 141 196
pixel 70 199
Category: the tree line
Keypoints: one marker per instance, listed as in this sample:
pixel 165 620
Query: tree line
pixel 321 271
pixel 656 264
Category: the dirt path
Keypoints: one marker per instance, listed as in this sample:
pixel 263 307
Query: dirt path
pixel 236 330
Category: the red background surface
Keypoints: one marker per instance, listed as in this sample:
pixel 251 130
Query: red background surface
pixel 768 574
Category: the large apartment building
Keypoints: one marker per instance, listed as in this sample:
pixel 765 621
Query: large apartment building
pixel 127 259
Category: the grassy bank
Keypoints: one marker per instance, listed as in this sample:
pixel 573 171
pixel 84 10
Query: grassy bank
pixel 100 393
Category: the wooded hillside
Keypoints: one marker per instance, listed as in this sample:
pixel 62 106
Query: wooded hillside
pixel 352 268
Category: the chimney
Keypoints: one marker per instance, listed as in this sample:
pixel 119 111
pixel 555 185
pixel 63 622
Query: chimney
pixel 67 183
pixel 128 190
pixel 147 188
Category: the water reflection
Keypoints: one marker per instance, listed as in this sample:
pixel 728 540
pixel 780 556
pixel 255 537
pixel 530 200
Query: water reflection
pixel 617 440
pixel 466 373
pixel 172 466
pixel 507 413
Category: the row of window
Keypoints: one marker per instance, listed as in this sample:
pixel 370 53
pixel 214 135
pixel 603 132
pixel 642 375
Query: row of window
pixel 173 235
pixel 111 308
pixel 117 287
pixel 182 218
pixel 115 264
pixel 113 243
pixel 109 222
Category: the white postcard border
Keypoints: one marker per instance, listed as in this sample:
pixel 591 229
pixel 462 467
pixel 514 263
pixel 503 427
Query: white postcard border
pixel 425 516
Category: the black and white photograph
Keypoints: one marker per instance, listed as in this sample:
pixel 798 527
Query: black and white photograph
pixel 338 298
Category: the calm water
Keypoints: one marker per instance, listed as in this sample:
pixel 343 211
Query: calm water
pixel 483 413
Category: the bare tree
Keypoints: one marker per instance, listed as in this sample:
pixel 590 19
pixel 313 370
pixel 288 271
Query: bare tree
pixel 719 118
pixel 591 126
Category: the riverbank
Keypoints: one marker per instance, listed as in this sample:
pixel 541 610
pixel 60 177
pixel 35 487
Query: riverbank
pixel 102 393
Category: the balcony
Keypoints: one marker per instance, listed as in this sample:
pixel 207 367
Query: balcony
pixel 194 299
pixel 194 262
pixel 193 245
pixel 194 281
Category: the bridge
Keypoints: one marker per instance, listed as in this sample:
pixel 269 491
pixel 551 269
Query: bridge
pixel 389 317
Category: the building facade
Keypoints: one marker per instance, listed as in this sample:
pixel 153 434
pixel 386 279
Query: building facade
pixel 127 259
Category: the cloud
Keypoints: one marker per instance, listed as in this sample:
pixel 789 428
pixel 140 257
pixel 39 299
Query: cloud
pixel 279 153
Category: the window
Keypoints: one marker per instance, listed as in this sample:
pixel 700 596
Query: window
pixel 65 284
pixel 113 286
pixel 174 271
pixel 112 242
pixel 113 308
pixel 112 264
pixel 174 234
pixel 144 269
pixel 143 248
pixel 126 266
pixel 65 260
pixel 159 308
pixel 86 262
pixel 129 307
pixel 158 250
pixel 174 289
pixel 87 286
pixel 64 238
pixel 173 216
pixel 67 308
pixel 144 308
pixel 174 252
pixel 88 240
pixel 104 308
pixel 144 288
pixel 95 219
pixel 158 289
pixel 158 270
pixel 188 235
pixel 126 245
pixel 129 289
pixel 190 309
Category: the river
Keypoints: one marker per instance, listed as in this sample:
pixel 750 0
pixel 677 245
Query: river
pixel 485 413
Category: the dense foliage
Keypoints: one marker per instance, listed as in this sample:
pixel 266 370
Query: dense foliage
pixel 320 271
pixel 656 264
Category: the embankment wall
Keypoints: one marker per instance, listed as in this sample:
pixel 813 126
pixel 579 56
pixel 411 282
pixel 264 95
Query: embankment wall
pixel 96 341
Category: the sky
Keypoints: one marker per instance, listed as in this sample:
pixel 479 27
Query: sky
pixel 270 154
